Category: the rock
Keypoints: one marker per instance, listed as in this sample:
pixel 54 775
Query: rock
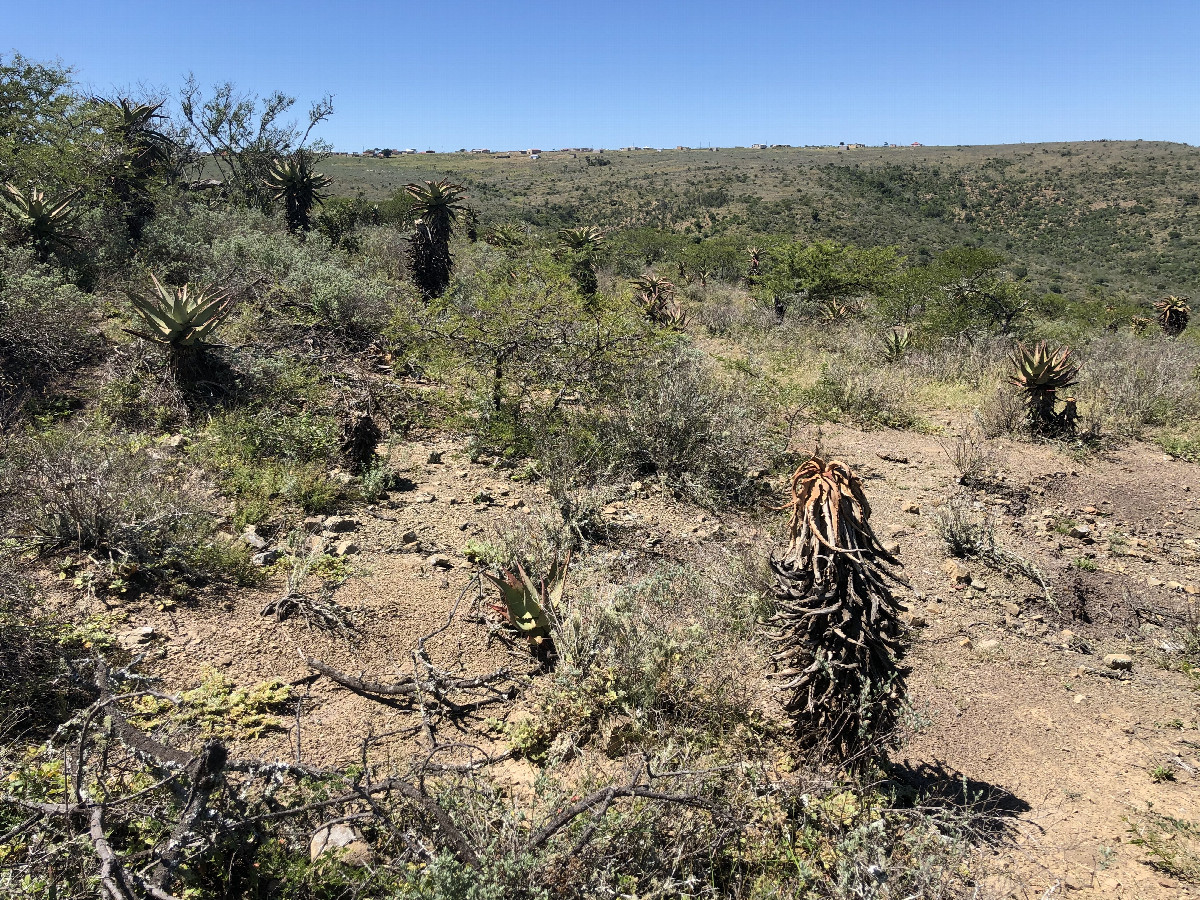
pixel 1190 589
pixel 1078 698
pixel 252 539
pixel 891 549
pixel 635 486
pixel 1174 586
pixel 136 637
pixel 342 839
pixel 965 643
pixel 316 544
pixel 1151 581
pixel 914 508
pixel 989 646
pixel 1066 636
pixel 915 620
pixel 341 524
pixel 957 572
pixel 1013 609
pixel 408 537
pixel 1090 510
pixel 1119 661
pixel 267 558
pixel 435 457
pixel 1081 531
pixel 314 524
pixel 978 583
pixel 422 497
pixel 345 548
pixel 439 561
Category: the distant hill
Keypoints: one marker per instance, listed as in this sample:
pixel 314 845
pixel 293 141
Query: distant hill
pixel 1083 216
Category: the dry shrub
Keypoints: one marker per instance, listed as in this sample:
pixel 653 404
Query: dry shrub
pixel 1003 413
pixel 1131 382
pixel 865 397
pixel 699 434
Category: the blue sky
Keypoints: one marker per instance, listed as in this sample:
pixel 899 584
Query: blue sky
pixel 445 74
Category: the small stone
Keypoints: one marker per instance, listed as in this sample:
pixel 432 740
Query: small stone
pixel 439 561
pixel 341 524
pixel 435 457
pixel 915 620
pixel 1013 609
pixel 958 573
pixel 1078 698
pixel 1090 510
pixel 978 583
pixel 251 539
pixel 347 842
pixel 422 497
pixel 1081 531
pixel 1151 581
pixel 314 524
pixel 345 548
pixel 989 646
pixel 914 508
pixel 1119 661
pixel 408 537
pixel 267 558
pixel 635 486
pixel 965 643
pixel 444 583
pixel 1066 636
pixel 1174 586
pixel 316 544
pixel 135 637
pixel 1190 589
pixel 891 549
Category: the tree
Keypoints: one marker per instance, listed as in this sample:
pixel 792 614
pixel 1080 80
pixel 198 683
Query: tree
pixel 825 272
pixel 244 135
pixel 964 289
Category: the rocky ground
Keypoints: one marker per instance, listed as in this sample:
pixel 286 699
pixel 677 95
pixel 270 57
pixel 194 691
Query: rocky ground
pixel 1065 714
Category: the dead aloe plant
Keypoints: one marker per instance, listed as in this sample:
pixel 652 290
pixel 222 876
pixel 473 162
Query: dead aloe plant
pixel 836 629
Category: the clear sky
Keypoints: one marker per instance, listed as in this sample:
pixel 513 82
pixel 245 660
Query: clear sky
pixel 506 74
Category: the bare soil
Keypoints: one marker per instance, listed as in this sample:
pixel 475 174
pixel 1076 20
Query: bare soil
pixel 1035 724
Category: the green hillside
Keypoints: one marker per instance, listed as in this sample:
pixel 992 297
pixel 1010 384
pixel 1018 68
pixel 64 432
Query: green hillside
pixel 1085 216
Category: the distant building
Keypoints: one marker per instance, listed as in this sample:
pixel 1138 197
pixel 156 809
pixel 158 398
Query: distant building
pixel 758 146
pixel 916 144
pixel 533 152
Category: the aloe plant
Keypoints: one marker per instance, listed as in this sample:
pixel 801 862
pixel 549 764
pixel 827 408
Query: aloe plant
pixel 656 296
pixel 527 605
pixel 182 317
pixel 1173 314
pixel 299 187
pixel 1042 371
pixel 44 223
pixel 895 344
pixel 580 246
pixel 439 204
pixel 836 630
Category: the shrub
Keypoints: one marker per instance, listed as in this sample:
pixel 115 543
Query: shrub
pixel 870 398
pixel 679 422
pixel 1138 382
pixel 70 487
pixel 44 324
